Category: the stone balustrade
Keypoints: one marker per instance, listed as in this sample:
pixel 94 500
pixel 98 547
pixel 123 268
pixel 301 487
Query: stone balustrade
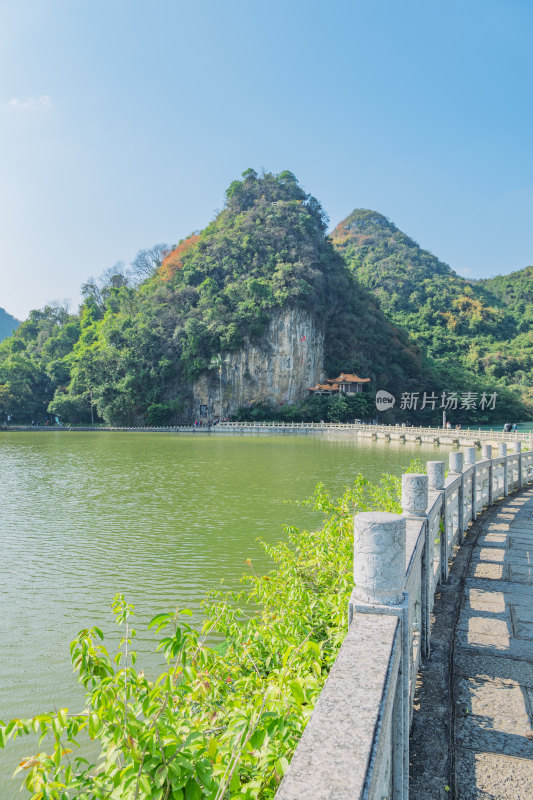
pixel 411 433
pixel 356 744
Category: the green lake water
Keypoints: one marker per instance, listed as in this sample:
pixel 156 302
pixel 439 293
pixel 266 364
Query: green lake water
pixel 162 518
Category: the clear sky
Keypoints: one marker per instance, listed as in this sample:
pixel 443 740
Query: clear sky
pixel 122 122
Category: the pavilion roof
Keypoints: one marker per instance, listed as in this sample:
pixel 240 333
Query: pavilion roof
pixel 345 377
pixel 324 387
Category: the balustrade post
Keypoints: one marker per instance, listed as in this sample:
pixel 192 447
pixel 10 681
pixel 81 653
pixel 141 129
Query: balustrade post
pixel 517 448
pixel 502 451
pixel 470 461
pixel 379 577
pixel 469 455
pixel 415 504
pixel 435 470
pixel 379 558
pixel 486 452
pixel 456 468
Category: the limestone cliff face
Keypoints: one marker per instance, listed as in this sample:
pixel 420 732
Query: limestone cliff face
pixel 279 369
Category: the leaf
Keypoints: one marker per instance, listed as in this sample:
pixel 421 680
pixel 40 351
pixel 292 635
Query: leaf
pixel 281 765
pixel 192 790
pixel 27 763
pixel 286 655
pixel 297 692
pixel 161 775
pixel 160 621
pixel 257 739
pixel 94 725
pixel 165 643
pixel 313 647
pixel 204 771
pixel 178 773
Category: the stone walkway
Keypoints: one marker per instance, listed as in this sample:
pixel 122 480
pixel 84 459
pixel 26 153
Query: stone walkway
pixel 482 670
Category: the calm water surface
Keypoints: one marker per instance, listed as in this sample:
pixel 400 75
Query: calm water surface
pixel 159 517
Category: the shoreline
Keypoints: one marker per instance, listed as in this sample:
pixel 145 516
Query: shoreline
pixel 435 436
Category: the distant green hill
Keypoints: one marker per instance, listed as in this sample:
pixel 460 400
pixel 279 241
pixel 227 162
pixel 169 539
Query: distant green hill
pixel 7 324
pixel 483 326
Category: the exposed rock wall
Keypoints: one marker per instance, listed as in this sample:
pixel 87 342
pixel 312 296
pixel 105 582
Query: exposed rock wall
pixel 279 369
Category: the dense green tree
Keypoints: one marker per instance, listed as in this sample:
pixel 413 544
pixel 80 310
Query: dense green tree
pixel 337 408
pixel 34 361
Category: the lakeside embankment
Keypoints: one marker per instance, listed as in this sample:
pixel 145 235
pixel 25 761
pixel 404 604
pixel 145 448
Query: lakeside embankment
pixel 428 435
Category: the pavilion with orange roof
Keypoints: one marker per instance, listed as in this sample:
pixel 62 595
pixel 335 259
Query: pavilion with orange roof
pixel 346 383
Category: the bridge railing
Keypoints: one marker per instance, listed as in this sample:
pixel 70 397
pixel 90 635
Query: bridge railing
pixel 356 744
pixel 405 430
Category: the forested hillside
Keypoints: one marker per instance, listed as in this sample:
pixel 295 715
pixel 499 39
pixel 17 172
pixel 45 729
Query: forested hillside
pixel 513 293
pixel 7 324
pixel 132 352
pixel 143 336
pixel 484 326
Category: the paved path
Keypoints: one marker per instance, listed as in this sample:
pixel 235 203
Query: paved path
pixel 474 722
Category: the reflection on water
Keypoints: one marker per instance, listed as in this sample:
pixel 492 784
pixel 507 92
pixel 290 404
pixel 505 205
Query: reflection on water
pixel 160 517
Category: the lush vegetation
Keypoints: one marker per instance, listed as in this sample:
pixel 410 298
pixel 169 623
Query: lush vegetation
pixel 132 352
pixel 481 327
pixel 7 324
pixel 514 292
pixel 319 408
pixel 144 335
pixel 224 719
pixel 511 360
pixel 34 361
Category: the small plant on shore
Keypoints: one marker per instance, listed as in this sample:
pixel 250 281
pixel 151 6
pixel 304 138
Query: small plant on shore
pixel 223 720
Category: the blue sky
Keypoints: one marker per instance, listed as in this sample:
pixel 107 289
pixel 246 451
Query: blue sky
pixel 122 122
